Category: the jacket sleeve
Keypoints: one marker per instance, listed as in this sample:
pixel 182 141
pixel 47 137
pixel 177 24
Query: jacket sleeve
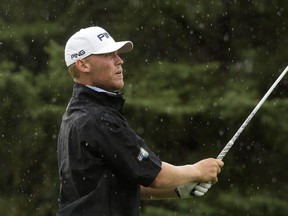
pixel 111 138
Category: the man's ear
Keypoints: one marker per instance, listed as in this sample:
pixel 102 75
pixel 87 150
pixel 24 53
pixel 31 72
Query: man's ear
pixel 82 66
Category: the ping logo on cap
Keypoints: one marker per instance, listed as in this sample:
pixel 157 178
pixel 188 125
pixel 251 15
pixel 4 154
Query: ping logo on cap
pixel 103 35
pixel 76 55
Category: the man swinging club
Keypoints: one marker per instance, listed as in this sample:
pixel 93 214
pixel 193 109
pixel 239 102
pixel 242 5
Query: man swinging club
pixel 104 166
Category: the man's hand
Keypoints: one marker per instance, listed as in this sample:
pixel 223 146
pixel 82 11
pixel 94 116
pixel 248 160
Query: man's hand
pixel 192 189
pixel 208 169
pixel 201 189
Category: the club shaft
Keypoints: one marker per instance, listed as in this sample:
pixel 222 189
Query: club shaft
pixel 246 122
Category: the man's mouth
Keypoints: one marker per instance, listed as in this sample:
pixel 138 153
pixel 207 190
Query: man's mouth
pixel 119 73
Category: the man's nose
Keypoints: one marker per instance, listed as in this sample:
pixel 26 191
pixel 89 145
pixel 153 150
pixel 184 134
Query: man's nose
pixel 119 60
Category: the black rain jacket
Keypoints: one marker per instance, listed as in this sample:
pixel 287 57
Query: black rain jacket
pixel 101 160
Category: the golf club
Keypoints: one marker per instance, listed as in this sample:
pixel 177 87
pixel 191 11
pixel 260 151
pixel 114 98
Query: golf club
pixel 248 119
pixel 228 146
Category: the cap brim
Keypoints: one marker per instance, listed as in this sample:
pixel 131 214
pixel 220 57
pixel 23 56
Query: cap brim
pixel 121 47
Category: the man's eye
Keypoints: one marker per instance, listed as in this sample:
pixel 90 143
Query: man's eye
pixel 109 54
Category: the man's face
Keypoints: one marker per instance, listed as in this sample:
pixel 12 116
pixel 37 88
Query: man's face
pixel 106 71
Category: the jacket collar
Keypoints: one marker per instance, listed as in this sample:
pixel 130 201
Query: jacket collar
pixel 84 93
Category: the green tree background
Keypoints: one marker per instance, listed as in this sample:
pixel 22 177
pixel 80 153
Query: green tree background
pixel 197 70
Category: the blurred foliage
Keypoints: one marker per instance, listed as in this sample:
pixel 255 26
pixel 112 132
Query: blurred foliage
pixel 197 70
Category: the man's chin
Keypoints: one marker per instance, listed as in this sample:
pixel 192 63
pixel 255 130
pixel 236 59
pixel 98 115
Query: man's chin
pixel 119 86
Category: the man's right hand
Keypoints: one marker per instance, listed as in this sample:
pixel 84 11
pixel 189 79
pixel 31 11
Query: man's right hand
pixel 208 169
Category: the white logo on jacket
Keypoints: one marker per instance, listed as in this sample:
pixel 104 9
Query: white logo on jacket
pixel 142 154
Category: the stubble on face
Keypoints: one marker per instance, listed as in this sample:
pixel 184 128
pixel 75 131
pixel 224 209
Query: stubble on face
pixel 106 72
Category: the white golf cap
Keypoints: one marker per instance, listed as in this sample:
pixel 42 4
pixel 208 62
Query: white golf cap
pixel 92 40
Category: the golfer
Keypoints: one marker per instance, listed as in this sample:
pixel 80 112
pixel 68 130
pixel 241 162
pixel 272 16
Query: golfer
pixel 104 166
